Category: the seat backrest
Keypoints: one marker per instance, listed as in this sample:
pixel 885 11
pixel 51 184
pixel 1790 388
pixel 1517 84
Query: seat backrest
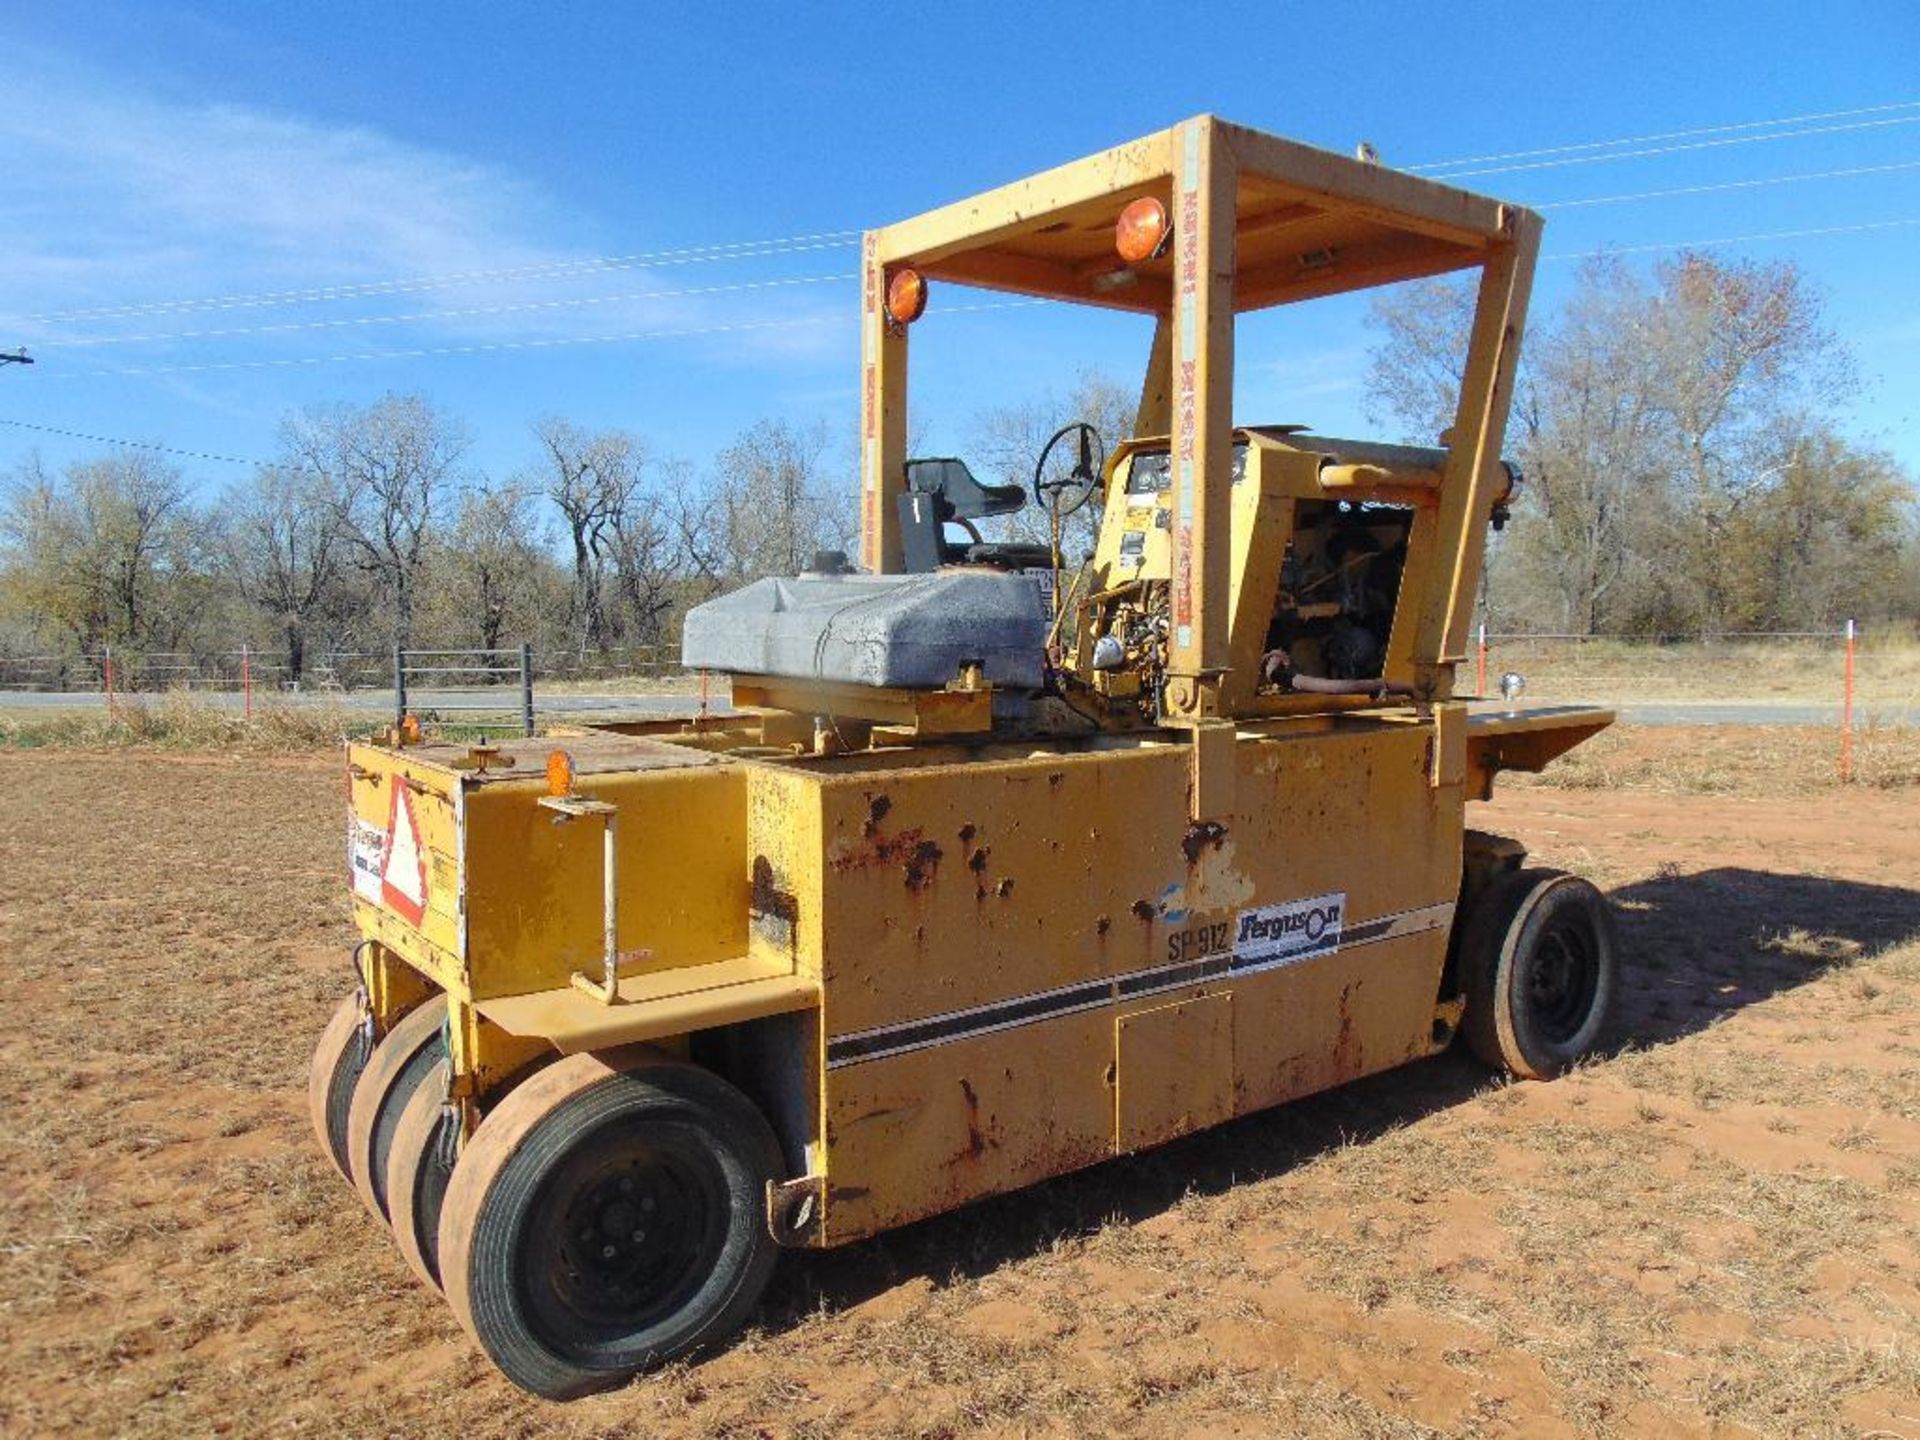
pixel 962 496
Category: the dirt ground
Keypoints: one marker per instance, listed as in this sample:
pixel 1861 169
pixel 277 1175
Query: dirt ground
pixel 1713 1231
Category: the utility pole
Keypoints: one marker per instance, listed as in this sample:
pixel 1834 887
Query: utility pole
pixel 18 357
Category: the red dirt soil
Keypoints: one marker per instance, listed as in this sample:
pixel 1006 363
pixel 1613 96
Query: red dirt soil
pixel 1711 1232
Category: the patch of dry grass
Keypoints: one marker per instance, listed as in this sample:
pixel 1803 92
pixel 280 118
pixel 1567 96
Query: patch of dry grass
pixel 182 721
pixel 1730 759
pixel 1887 669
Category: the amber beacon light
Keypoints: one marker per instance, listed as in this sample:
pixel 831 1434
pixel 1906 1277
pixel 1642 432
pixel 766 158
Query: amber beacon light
pixel 906 296
pixel 1142 231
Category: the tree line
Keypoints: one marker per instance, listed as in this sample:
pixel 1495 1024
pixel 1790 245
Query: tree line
pixel 1678 428
pixel 367 529
pixel 1685 464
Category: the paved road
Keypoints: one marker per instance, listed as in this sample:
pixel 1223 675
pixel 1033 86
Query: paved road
pixel 451 704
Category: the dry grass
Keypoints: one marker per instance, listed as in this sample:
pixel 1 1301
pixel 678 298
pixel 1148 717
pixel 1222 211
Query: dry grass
pixel 1887 670
pixel 1718 1224
pixel 179 720
pixel 1731 760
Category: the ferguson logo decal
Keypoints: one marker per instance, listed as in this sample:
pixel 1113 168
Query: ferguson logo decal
pixel 1294 930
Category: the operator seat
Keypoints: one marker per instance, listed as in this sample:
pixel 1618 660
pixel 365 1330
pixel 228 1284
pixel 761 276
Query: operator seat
pixel 944 491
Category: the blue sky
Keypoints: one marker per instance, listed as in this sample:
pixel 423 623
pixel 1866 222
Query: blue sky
pixel 266 206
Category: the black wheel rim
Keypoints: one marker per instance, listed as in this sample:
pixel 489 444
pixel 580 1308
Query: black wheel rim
pixel 1562 982
pixel 619 1237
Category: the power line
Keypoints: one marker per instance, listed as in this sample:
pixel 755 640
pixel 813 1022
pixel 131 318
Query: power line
pixel 130 444
pixel 344 322
pixel 1666 135
pixel 1453 175
pixel 490 347
pixel 1729 185
pixel 559 269
pixel 579 302
pixel 1730 240
pixel 840 239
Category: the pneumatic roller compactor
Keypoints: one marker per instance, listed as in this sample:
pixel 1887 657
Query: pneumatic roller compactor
pixel 999 865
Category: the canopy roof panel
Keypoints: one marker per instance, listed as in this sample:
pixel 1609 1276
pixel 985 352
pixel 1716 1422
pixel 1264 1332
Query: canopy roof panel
pixel 1308 222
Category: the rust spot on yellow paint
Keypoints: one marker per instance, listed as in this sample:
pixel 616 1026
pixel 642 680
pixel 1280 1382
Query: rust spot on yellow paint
pixel 1142 909
pixel 772 911
pixel 921 865
pixel 1201 835
pixel 976 1142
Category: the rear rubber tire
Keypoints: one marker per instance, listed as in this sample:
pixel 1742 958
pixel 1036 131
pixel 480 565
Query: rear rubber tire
pixel 607 1217
pixel 398 1066
pixel 417 1178
pixel 1539 959
pixel 332 1075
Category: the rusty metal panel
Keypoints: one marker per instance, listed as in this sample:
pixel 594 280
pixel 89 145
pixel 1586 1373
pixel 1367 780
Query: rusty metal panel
pixel 1173 1071
pixel 926 1131
pixel 1362 1009
pixel 1014 902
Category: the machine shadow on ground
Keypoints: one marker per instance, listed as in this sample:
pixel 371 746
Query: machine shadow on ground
pixel 1695 947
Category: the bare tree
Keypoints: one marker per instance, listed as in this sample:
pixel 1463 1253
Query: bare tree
pixel 491 574
pixel 394 463
pixel 775 507
pixel 1008 441
pixel 284 537
pixel 1647 414
pixel 591 477
pixel 1414 372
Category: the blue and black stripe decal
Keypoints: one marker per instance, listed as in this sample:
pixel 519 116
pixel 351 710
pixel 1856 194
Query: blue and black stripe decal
pixel 886 1040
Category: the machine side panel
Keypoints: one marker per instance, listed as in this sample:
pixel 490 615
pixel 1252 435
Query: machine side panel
pixel 535 881
pixel 986 926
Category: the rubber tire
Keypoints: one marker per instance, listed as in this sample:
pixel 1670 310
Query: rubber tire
pixel 416 1180
pixel 399 1064
pixel 531 1134
pixel 1500 947
pixel 331 1077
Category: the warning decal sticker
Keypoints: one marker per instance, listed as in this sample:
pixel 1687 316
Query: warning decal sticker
pixel 403 880
pixel 366 856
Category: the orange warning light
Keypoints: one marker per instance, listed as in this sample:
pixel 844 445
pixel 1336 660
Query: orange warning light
pixel 906 296
pixel 559 773
pixel 409 729
pixel 1142 231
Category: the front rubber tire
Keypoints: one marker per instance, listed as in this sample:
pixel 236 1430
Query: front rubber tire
pixel 332 1075
pixel 418 1173
pixel 400 1063
pixel 607 1217
pixel 1541 968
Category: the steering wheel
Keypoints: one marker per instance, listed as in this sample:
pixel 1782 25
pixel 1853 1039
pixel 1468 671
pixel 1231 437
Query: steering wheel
pixel 1060 494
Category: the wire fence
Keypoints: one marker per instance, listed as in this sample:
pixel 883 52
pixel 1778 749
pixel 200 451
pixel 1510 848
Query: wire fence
pixel 155 671
pixel 1819 677
pixel 478 688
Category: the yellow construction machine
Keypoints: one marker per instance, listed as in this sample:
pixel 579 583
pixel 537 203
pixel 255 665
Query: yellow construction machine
pixel 998 866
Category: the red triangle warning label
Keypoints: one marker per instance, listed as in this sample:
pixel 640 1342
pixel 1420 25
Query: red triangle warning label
pixel 403 882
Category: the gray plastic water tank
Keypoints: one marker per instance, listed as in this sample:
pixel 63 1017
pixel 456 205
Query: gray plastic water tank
pixel 905 631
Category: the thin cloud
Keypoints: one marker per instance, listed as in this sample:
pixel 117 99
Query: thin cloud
pixel 114 198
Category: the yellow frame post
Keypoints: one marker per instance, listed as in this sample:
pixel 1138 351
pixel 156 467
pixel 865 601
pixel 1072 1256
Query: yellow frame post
pixel 1479 429
pixel 1203 230
pixel 883 417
